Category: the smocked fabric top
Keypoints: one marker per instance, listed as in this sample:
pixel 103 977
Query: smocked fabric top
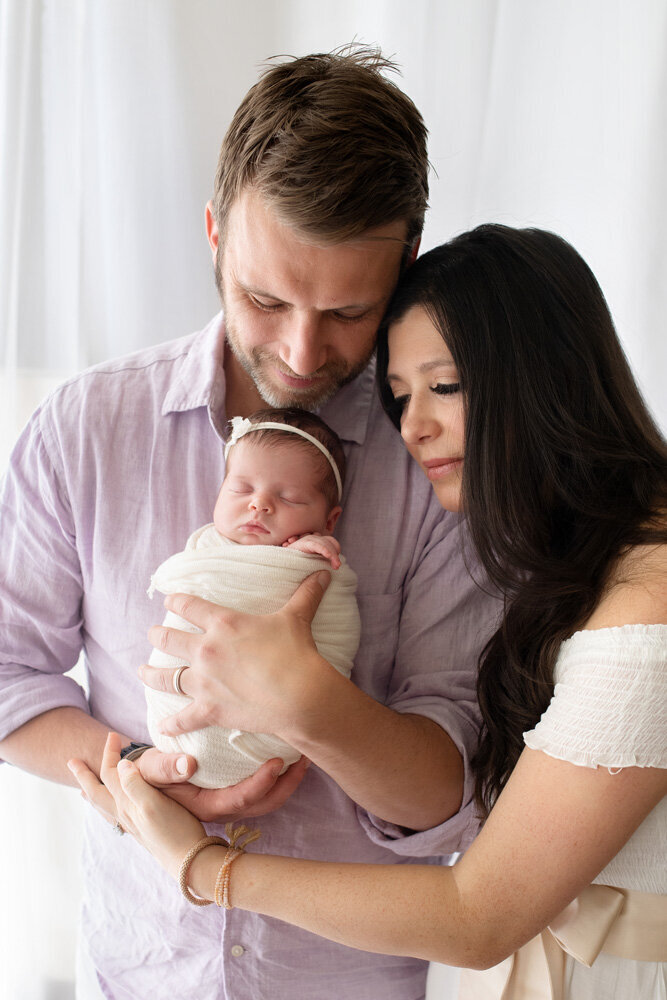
pixel 609 709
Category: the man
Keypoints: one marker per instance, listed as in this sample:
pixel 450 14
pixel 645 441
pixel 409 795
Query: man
pixel 319 201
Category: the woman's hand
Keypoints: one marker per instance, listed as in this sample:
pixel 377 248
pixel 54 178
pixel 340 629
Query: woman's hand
pixel 157 822
pixel 259 673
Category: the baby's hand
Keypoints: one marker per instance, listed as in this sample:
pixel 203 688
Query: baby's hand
pixel 316 545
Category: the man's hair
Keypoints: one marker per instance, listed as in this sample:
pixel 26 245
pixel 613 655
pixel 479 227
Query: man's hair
pixel 333 146
pixel 311 424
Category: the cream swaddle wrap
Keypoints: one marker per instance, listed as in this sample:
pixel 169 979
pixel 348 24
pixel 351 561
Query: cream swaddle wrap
pixel 257 579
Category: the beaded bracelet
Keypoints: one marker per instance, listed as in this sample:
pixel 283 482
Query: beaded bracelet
pixel 221 893
pixel 235 849
pixel 185 867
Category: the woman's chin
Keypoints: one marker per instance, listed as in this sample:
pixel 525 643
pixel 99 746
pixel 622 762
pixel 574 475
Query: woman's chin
pixel 449 494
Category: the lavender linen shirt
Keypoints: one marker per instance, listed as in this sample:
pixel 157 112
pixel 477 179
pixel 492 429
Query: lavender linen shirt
pixel 109 478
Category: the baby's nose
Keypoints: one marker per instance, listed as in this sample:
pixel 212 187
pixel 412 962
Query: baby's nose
pixel 260 501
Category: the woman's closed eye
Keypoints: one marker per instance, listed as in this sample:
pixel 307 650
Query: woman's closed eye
pixel 440 389
pixel 400 402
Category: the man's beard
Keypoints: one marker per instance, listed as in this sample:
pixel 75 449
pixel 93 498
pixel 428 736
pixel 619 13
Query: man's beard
pixel 259 362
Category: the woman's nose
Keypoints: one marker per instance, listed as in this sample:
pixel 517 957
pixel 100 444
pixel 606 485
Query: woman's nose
pixel 417 425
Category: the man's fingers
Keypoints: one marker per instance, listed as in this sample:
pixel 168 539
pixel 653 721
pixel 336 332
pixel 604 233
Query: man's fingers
pixel 306 598
pixel 195 610
pixel 160 769
pixel 173 641
pixel 282 788
pixel 162 678
pixel 198 715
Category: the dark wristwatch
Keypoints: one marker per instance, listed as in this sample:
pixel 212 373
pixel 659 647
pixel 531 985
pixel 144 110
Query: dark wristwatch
pixel 134 750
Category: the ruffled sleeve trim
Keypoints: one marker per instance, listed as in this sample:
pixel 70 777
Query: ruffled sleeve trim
pixel 609 707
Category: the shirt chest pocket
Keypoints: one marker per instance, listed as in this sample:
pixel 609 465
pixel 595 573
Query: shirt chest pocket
pixel 380 626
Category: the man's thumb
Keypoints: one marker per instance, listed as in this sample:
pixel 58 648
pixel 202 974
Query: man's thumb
pixel 307 597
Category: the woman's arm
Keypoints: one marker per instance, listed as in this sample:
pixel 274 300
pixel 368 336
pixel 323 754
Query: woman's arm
pixel 553 829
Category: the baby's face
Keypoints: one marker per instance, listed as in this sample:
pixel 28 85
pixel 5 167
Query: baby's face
pixel 270 493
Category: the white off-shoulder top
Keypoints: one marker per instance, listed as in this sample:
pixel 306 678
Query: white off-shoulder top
pixel 609 709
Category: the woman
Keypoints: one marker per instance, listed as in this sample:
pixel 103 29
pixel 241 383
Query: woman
pixel 500 365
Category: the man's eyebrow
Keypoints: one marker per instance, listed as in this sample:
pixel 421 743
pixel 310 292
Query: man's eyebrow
pixel 253 290
pixel 257 291
pixel 425 368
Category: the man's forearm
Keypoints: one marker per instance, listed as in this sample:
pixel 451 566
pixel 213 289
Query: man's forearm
pixel 402 768
pixel 45 744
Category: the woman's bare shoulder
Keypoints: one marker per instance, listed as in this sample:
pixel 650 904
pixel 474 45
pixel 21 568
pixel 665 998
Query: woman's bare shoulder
pixel 637 593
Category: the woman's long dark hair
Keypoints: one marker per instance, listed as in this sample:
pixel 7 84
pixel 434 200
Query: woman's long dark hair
pixel 564 467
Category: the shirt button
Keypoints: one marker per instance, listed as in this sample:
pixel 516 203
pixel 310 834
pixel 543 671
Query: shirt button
pixel 237 950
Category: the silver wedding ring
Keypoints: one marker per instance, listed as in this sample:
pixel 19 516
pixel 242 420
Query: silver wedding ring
pixel 176 679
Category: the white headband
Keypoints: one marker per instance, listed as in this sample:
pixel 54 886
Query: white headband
pixel 242 426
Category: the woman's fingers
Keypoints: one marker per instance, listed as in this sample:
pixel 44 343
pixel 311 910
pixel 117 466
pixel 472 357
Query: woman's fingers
pixel 93 790
pixel 158 822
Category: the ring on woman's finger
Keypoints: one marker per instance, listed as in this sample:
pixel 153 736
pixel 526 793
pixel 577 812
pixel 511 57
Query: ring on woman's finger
pixel 117 828
pixel 176 679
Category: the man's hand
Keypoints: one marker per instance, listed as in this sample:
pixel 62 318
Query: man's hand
pixel 314 544
pixel 258 673
pixel 264 791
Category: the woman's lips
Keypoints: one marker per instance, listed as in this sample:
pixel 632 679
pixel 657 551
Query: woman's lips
pixel 436 468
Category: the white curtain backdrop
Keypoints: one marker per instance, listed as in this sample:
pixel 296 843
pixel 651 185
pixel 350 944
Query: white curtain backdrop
pixel 541 112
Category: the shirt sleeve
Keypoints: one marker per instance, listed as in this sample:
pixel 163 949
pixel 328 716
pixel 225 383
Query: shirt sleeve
pixel 40 589
pixel 445 620
pixel 609 707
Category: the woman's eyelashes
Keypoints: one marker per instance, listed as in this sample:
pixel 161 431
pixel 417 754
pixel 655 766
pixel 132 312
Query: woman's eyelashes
pixel 440 389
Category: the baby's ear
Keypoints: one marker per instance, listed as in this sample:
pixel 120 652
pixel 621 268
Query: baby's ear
pixel 334 514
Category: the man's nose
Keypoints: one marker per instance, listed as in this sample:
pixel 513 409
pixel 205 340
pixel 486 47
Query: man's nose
pixel 303 348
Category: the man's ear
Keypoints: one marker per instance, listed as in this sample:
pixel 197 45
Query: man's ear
pixel 212 231
pixel 334 514
pixel 415 250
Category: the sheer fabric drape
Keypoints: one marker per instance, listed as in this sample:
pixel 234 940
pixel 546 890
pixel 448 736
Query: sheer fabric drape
pixel 111 115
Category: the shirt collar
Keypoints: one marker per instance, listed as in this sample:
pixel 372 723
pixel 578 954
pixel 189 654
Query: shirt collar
pixel 348 412
pixel 200 381
pixel 199 376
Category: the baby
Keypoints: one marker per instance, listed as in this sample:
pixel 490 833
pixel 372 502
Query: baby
pixel 272 524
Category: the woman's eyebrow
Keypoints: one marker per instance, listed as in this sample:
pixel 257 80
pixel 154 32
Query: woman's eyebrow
pixel 425 367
